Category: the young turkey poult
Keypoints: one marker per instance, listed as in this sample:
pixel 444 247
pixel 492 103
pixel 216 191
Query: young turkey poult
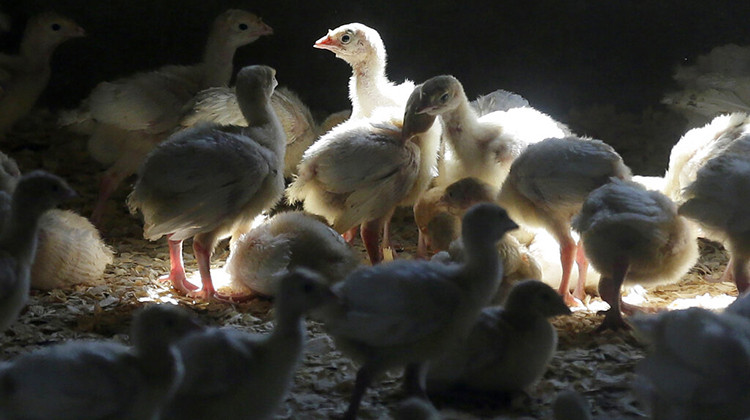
pixel 438 212
pixel 360 171
pixel 717 200
pixel 438 215
pixel 24 77
pixel 369 88
pixel 219 105
pixel 482 147
pixel 404 313
pixel 234 374
pixel 210 181
pixel 696 367
pixel 69 248
pixel 35 193
pixel 70 251
pixel 633 236
pixel 128 117
pixel 698 146
pixel 259 258
pixel 508 348
pixel 547 185
pixel 98 380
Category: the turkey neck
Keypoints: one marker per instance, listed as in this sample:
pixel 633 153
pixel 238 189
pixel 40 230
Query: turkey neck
pixel 162 364
pixel 290 326
pixel 255 107
pixel 37 51
pixel 458 123
pixel 20 234
pixel 482 266
pixel 368 77
pixel 217 59
pixel 257 110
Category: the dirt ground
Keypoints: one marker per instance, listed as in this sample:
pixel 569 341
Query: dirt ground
pixel 599 366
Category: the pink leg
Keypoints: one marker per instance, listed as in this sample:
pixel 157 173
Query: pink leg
pixel 177 269
pixel 422 247
pixel 111 179
pixel 203 257
pixel 370 232
pixel 567 254
pixel 350 234
pixel 387 231
pixel 583 266
pixel 609 290
pixel 739 272
pixel 386 242
pixel 727 275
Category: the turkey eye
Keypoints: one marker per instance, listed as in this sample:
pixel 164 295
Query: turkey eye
pixel 345 39
pixel 55 26
pixel 444 98
pixel 308 288
pixel 243 26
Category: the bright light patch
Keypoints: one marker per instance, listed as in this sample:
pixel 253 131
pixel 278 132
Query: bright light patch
pixel 218 275
pixel 157 295
pixel 705 301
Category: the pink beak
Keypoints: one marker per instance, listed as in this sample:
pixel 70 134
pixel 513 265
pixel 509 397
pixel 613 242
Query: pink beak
pixel 264 29
pixel 325 43
pixel 425 110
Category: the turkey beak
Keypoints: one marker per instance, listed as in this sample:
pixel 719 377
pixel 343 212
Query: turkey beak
pixel 325 43
pixel 70 194
pixel 407 130
pixel 264 29
pixel 420 107
pixel 79 32
pixel 424 109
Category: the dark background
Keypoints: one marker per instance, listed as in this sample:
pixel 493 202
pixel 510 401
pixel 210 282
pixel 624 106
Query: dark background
pixel 561 55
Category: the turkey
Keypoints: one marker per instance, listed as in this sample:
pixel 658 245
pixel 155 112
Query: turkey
pixel 128 117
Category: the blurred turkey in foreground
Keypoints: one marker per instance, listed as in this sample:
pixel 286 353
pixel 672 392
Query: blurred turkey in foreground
pixel 508 348
pixel 697 365
pixel 96 380
pixel 232 374
pixel 405 313
pixel 36 192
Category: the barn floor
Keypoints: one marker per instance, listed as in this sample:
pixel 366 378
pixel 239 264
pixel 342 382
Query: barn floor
pixel 600 366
